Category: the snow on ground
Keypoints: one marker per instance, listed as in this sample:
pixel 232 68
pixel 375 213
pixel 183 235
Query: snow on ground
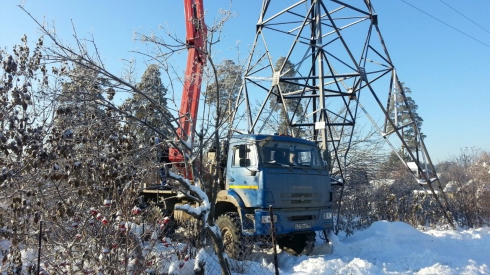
pixel 397 248
pixel 383 248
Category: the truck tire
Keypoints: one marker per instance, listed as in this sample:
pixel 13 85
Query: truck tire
pixel 297 244
pixel 234 242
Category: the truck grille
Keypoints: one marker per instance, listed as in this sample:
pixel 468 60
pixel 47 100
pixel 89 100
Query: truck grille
pixel 302 218
pixel 301 198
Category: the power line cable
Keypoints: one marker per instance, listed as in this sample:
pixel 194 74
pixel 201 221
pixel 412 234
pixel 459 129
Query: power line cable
pixel 463 33
pixel 465 16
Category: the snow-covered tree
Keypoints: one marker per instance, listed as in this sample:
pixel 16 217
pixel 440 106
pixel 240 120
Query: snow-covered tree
pixel 70 161
pixel 151 112
pixel 70 164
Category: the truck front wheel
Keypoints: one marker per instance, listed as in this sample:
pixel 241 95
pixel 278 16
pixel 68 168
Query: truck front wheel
pixel 233 240
pixel 297 244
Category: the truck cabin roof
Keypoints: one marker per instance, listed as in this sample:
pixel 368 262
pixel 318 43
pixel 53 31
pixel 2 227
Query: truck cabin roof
pixel 254 137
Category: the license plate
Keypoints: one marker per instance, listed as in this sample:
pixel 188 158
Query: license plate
pixel 302 226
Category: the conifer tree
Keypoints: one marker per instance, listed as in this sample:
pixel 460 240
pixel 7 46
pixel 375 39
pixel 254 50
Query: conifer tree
pixel 400 107
pixel 229 75
pixel 142 109
pixel 293 105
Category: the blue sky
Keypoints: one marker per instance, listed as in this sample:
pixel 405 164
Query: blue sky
pixel 447 71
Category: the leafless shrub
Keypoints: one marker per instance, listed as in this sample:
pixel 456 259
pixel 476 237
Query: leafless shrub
pixel 467 183
pixel 76 161
pixel 391 194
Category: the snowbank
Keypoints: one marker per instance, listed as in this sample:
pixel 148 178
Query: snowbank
pixel 397 248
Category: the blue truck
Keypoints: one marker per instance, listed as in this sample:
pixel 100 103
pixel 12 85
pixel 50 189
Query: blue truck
pixel 259 171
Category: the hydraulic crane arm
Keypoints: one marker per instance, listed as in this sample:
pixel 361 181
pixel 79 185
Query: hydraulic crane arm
pixel 196 60
pixel 196 33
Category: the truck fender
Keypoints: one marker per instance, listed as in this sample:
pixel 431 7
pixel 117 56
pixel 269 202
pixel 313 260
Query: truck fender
pixel 228 201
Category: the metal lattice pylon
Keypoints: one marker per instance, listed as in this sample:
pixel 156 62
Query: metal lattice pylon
pixel 335 66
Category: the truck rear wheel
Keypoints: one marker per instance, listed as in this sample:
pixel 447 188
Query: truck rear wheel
pixel 233 240
pixel 297 244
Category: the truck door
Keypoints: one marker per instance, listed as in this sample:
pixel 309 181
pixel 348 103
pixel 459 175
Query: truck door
pixel 242 172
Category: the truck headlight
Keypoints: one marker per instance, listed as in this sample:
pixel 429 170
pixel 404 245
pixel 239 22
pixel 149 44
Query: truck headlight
pixel 327 216
pixel 267 219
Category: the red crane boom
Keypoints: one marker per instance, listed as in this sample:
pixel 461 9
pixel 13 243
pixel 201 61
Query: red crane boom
pixel 196 33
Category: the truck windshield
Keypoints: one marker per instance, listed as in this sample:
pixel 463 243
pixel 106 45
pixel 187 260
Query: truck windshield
pixel 273 153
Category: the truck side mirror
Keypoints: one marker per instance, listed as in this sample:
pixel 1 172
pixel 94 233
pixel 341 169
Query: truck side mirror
pixel 242 151
pixel 244 162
